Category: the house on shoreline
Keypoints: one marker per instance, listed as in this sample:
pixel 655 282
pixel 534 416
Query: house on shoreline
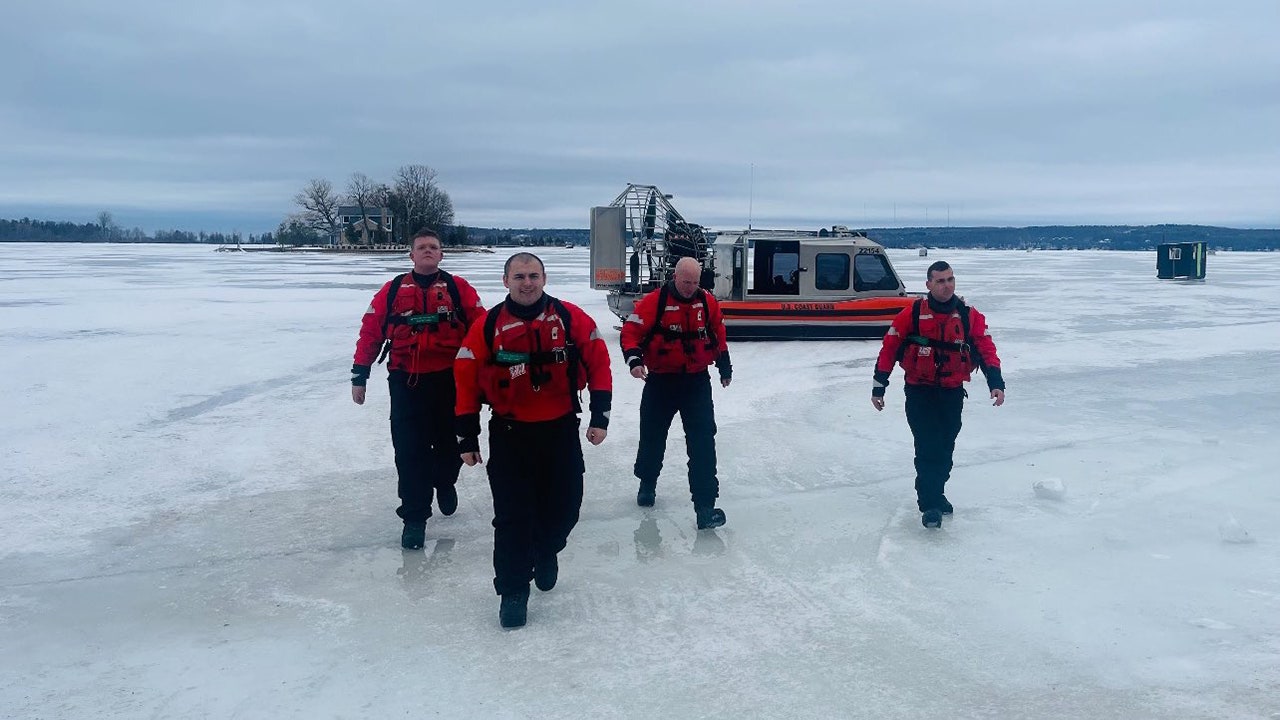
pixel 371 227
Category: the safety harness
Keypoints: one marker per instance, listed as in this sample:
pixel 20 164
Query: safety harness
pixel 965 347
pixel 419 321
pixel 538 360
pixel 686 337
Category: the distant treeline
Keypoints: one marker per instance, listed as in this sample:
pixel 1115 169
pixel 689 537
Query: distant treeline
pixel 1076 237
pixel 50 231
pixel 1045 237
pixel 28 230
pixel 533 237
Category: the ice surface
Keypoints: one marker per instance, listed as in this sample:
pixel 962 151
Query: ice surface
pixel 1049 489
pixel 1233 532
pixel 198 522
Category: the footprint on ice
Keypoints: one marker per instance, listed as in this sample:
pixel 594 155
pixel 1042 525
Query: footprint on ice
pixel 1049 489
pixel 1232 532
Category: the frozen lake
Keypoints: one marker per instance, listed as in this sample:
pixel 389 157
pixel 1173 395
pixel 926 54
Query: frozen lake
pixel 198 522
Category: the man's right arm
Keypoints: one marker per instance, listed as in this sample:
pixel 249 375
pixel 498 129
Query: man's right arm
pixel 898 329
pixel 368 344
pixel 634 329
pixel 466 378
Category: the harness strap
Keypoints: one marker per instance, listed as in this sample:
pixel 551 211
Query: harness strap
pixel 452 286
pixel 386 318
pixel 507 358
pixel 699 334
pixel 930 342
pixel 434 318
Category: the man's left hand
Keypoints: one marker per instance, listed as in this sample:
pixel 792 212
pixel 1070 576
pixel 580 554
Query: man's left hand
pixel 724 382
pixel 595 435
pixel 998 396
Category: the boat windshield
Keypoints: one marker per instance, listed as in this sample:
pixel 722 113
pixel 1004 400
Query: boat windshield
pixel 871 271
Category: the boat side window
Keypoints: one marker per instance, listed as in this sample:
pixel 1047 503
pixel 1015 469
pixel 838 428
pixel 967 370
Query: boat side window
pixel 871 271
pixel 784 268
pixel 832 271
pixel 777 268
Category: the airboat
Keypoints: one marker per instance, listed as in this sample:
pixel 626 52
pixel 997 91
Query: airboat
pixel 829 284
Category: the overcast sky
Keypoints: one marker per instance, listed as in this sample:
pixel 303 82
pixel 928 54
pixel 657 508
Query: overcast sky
pixel 867 114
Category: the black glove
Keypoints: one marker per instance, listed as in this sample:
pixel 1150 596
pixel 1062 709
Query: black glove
pixel 881 380
pixel 359 375
pixel 724 366
pixel 468 429
pixel 995 381
pixel 601 402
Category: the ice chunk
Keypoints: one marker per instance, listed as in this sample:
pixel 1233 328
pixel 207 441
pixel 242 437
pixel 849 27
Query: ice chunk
pixel 1232 532
pixel 1049 488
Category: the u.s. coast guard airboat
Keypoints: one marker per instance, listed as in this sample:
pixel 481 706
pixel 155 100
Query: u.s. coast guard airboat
pixel 829 284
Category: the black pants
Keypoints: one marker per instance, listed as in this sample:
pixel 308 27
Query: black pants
pixel 535 474
pixel 423 435
pixel 934 416
pixel 664 395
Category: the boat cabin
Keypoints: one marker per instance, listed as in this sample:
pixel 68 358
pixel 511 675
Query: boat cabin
pixel 771 284
pixel 820 266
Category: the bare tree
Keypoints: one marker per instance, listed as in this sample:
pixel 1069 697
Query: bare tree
pixel 108 224
pixel 418 200
pixel 319 205
pixel 363 192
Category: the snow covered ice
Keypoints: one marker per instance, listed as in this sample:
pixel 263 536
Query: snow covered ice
pixel 198 522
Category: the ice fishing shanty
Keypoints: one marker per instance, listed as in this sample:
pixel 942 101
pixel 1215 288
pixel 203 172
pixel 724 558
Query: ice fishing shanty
pixel 1181 261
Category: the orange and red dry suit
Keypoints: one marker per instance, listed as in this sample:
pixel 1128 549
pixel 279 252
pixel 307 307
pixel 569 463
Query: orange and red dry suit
pixel 532 368
pixel 670 334
pixel 427 322
pixel 425 326
pixel 529 363
pixel 677 339
pixel 938 345
pixel 931 343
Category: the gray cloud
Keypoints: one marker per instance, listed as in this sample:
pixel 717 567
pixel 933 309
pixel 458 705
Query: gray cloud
pixel 876 114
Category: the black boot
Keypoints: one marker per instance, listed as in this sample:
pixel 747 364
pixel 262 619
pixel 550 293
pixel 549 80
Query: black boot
pixel 414 534
pixel 447 499
pixel 514 610
pixel 546 569
pixel 931 518
pixel 648 493
pixel 709 517
pixel 941 503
